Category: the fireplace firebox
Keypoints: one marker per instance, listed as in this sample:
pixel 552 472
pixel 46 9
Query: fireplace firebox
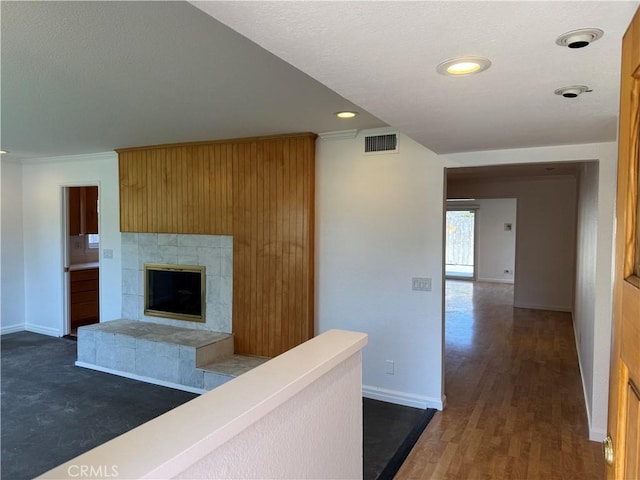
pixel 175 291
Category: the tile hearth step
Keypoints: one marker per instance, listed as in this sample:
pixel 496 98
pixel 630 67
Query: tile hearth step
pixel 145 350
pixel 221 371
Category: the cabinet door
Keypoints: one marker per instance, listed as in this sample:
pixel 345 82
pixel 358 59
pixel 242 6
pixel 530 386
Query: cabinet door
pixel 90 209
pixel 83 210
pixel 74 211
pixel 85 308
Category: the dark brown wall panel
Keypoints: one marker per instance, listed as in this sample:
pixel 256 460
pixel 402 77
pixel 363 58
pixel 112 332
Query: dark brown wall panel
pixel 261 191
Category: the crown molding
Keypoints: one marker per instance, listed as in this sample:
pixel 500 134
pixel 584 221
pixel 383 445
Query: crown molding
pixel 71 158
pixel 339 134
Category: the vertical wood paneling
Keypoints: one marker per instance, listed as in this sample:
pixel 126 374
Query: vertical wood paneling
pixel 161 192
pixel 288 280
pixel 176 190
pixel 309 279
pixel 258 190
pixel 299 239
pixel 273 246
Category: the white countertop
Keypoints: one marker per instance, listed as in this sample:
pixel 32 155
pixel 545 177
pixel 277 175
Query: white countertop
pixel 83 266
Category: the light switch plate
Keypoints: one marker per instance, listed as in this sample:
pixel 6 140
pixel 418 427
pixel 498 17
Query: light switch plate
pixel 422 284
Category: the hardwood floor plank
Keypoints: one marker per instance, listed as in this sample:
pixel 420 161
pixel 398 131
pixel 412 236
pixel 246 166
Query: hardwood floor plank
pixel 515 401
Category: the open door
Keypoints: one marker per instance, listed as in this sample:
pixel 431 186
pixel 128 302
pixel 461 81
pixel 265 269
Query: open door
pixel 81 262
pixel 622 446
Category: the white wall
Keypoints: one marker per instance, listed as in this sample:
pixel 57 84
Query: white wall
pixel 496 246
pixel 606 155
pixel 593 288
pixel 585 301
pixel 378 224
pixel 316 434
pixel 44 180
pixel 545 236
pixel 12 251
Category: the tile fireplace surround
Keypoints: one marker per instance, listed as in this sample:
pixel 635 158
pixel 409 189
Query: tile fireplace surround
pixel 215 252
pixel 181 354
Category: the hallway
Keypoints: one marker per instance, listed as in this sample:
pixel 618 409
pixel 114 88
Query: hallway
pixel 515 404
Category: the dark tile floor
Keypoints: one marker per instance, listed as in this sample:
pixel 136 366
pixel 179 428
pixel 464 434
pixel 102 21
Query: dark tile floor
pixel 390 432
pixel 53 411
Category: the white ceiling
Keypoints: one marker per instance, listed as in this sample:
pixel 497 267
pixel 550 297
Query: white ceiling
pixel 86 77
pixel 82 77
pixel 383 56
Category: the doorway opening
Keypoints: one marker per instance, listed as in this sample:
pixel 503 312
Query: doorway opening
pixel 539 203
pixel 460 243
pixel 81 257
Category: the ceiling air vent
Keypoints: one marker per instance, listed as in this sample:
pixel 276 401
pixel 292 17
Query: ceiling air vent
pixel 387 143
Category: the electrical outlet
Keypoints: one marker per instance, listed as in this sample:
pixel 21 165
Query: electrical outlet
pixel 422 284
pixel 389 367
pixel 107 253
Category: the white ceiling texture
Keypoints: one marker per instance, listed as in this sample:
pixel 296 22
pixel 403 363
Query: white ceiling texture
pixel 82 77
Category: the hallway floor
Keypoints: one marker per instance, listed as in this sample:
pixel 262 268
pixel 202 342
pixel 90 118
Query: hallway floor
pixel 515 405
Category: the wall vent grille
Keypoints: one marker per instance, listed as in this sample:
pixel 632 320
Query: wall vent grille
pixel 387 143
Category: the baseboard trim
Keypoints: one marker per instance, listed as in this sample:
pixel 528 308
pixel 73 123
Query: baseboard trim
pixel 141 378
pixel 584 390
pixel 402 398
pixel 52 332
pixel 18 327
pixel 595 434
pixel 553 308
pixel 495 280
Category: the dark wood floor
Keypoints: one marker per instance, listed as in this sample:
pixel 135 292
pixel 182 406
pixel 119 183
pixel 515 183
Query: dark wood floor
pixel 515 405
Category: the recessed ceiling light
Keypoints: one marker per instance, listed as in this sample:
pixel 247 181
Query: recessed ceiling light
pixel 579 38
pixel 2 152
pixel 572 91
pixel 463 66
pixel 346 114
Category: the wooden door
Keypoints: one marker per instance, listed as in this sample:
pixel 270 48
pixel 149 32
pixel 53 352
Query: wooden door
pixel 622 446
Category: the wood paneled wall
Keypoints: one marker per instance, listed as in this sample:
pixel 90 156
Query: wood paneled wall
pixel 176 189
pixel 273 221
pixel 261 191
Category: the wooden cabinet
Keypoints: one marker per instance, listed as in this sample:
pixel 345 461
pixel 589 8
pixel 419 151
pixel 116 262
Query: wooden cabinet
pixel 83 210
pixel 84 297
